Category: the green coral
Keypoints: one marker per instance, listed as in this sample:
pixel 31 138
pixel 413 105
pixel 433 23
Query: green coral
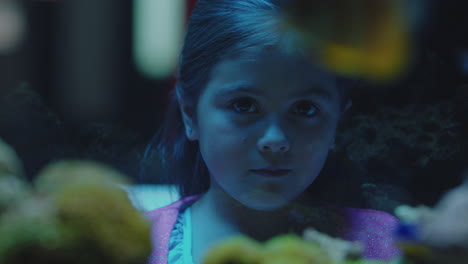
pixel 33 239
pixel 12 185
pixel 10 164
pixel 238 249
pixel 282 249
pixel 293 249
pixel 75 213
pixel 106 218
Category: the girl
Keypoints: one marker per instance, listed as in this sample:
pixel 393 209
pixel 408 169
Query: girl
pixel 249 128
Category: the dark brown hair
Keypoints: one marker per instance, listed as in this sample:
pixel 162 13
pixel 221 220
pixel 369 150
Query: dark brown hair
pixel 217 29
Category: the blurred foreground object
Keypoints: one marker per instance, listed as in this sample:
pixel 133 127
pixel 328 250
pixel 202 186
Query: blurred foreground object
pixel 158 34
pixel 437 235
pixel 359 38
pixel 313 248
pixel 75 213
pixel 12 185
pixel 12 25
pixel 10 164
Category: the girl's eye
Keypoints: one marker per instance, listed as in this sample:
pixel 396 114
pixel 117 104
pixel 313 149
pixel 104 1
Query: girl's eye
pixel 244 105
pixel 306 109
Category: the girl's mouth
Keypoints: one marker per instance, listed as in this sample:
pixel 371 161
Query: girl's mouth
pixel 272 173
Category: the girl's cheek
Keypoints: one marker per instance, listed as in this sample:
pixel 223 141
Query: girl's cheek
pixel 235 126
pixel 220 131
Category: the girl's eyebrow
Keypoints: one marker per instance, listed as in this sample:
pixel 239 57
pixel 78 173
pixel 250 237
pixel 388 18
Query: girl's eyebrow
pixel 319 91
pixel 236 88
pixel 314 90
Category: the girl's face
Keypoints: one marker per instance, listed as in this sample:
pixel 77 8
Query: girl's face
pixel 265 127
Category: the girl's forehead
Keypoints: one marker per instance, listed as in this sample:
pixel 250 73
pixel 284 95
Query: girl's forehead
pixel 272 71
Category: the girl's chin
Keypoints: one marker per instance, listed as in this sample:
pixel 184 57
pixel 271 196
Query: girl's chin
pixel 263 201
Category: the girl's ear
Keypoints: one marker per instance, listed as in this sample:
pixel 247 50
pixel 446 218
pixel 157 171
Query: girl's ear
pixel 188 114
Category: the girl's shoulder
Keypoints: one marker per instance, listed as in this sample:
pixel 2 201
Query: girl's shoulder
pixel 374 229
pixel 346 217
pixel 170 211
pixel 362 218
pixel 162 221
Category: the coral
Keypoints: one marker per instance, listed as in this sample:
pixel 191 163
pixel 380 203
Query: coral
pixel 12 190
pixel 437 235
pixel 9 161
pixel 447 225
pixel 75 213
pixel 32 233
pixel 239 250
pixel 12 185
pixel 88 210
pixel 313 248
pixel 429 130
pixel 293 249
pixel 63 174
pixel 370 47
pixel 337 249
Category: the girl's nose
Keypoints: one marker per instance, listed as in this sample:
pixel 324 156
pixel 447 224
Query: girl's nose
pixel 273 141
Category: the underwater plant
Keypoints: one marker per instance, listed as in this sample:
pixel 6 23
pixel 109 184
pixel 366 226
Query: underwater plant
pixel 313 248
pixel 436 235
pixel 10 164
pixel 239 249
pixel 12 184
pixel 365 39
pixel 74 212
pixel 430 130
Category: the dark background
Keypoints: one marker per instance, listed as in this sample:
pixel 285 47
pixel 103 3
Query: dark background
pixel 85 44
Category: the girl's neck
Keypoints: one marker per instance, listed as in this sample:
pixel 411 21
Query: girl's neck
pixel 232 215
pixel 216 216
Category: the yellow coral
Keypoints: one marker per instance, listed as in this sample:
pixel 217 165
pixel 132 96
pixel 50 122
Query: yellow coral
pixel 105 216
pixel 10 164
pixel 336 248
pixel 80 215
pixel 362 38
pixel 64 173
pixel 89 201
pixel 238 250
pixel 282 249
pixel 292 249
pixel 13 186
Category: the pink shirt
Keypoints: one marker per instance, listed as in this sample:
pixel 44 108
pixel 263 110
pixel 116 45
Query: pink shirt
pixel 373 228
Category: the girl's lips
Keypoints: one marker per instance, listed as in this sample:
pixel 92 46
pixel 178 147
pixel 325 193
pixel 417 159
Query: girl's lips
pixel 272 173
